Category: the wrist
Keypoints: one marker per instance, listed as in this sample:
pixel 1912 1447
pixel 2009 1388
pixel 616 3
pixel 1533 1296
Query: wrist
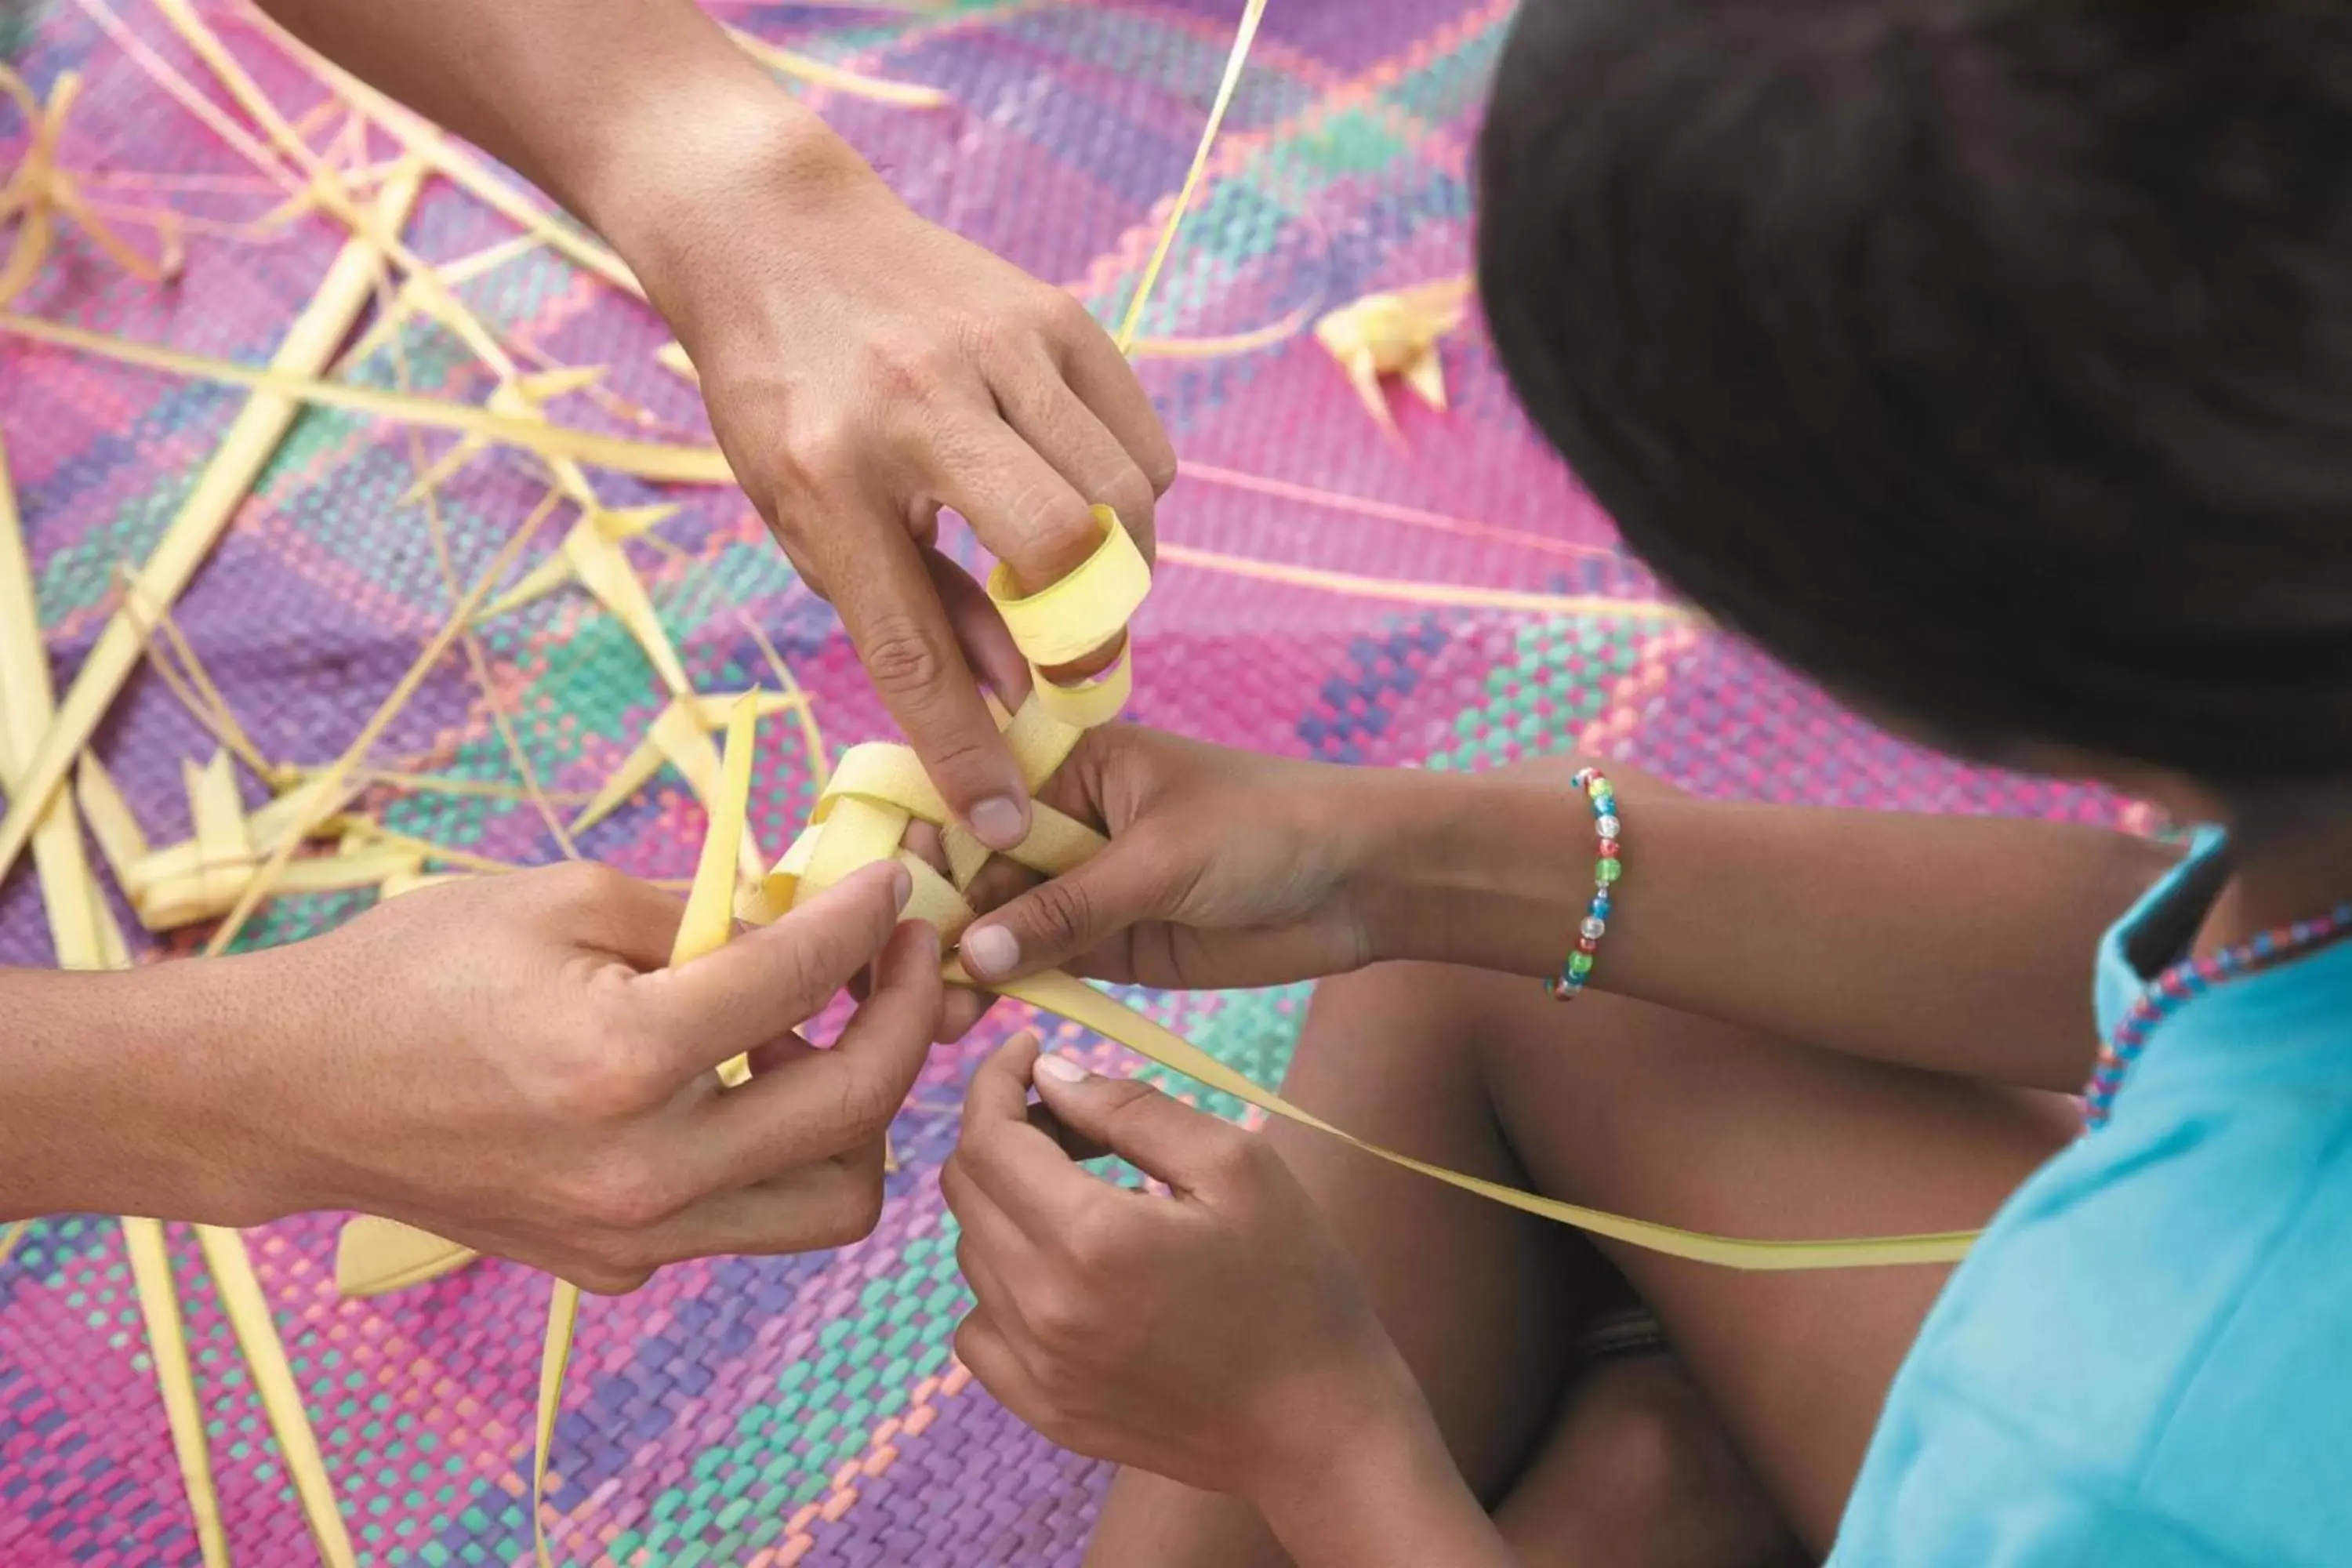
pixel 1377 1486
pixel 1469 869
pixel 244 1083
pixel 690 170
pixel 1316 1425
pixel 1495 871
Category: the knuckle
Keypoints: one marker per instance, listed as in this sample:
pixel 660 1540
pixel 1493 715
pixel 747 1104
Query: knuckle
pixel 1133 1102
pixel 803 973
pixel 1063 317
pixel 622 1198
pixel 867 1106
pixel 1057 520
pixel 857 1211
pixel 1060 1318
pixel 817 456
pixel 1131 494
pixel 612 1279
pixel 605 1075
pixel 913 369
pixel 983 335
pixel 1095 1244
pixel 1236 1157
pixel 584 885
pixel 904 657
pixel 1062 910
pixel 955 1183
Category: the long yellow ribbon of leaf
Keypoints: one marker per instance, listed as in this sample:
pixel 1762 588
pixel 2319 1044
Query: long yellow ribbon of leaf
pixel 86 937
pixel 247 1311
pixel 1236 58
pixel 709 922
pixel 167 1346
pixel 331 783
pixel 252 437
pixel 646 460
pixel 1071 998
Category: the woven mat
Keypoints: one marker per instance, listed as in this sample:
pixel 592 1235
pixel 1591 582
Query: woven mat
pixel 803 1410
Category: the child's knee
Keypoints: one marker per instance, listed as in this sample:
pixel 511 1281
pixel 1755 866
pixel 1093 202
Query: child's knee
pixel 1397 1041
pixel 1641 1469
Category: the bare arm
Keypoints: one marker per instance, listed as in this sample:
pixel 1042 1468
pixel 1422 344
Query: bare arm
pixel 106 1077
pixel 1960 944
pixel 1218 1336
pixel 508 1062
pixel 863 368
pixel 1395 1500
pixel 596 100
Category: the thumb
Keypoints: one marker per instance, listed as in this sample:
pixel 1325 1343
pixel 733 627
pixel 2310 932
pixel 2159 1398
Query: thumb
pixel 1190 1150
pixel 1071 915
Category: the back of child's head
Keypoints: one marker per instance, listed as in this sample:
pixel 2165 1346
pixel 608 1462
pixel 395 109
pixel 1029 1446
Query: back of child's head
pixel 1989 361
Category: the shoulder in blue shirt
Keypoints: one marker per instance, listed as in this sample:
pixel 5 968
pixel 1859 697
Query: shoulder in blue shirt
pixel 2145 1361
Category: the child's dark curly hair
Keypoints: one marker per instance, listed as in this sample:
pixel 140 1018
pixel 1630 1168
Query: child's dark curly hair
pixel 1989 361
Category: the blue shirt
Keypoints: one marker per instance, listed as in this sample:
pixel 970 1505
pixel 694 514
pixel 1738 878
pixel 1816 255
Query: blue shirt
pixel 2148 1360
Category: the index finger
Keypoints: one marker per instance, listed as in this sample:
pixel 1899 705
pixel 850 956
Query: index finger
pixel 1020 1168
pixel 888 600
pixel 768 981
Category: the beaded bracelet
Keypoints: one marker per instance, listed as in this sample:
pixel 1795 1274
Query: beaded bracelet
pixel 1606 870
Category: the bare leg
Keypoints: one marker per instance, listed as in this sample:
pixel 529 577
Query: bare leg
pixel 1492 1351
pixel 1638 1470
pixel 1627 1107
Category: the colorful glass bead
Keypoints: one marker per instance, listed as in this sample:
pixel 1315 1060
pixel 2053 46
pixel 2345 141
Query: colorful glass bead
pixel 1606 870
pixel 2180 984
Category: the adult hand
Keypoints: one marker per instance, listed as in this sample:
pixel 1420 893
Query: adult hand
pixel 1217 1336
pixel 506 1062
pixel 864 369
pixel 1226 869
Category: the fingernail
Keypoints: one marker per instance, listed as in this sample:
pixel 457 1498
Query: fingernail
pixel 902 884
pixel 991 950
pixel 998 823
pixel 1062 1069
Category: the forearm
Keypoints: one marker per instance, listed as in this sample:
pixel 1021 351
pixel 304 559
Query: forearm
pixel 634 114
pixel 115 1090
pixel 1959 944
pixel 1393 1499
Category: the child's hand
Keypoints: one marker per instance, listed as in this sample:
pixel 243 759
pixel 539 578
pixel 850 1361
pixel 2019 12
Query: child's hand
pixel 1218 1335
pixel 1226 869
pixel 508 1063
